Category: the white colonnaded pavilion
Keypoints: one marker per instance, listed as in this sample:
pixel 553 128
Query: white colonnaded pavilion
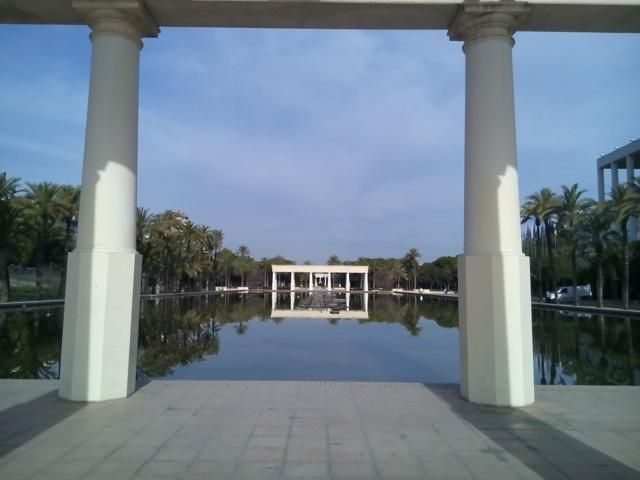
pixel 103 284
pixel 320 275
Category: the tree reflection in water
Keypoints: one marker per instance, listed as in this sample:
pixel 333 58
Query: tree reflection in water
pixel 568 349
pixel 584 349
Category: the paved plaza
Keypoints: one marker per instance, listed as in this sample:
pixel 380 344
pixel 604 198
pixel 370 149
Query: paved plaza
pixel 316 430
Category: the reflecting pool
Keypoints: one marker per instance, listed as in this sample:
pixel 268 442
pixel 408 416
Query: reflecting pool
pixel 374 337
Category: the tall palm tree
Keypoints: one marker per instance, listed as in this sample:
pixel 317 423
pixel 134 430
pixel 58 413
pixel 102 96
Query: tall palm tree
pixel 411 262
pixel 213 241
pixel 624 205
pixel 399 273
pixel 571 214
pixel 9 218
pixel 243 263
pixel 42 211
pixel 597 224
pixel 542 207
pixel 68 200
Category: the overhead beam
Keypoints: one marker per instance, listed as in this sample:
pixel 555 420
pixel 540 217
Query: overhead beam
pixel 614 16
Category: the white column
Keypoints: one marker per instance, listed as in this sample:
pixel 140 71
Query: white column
pixel 600 184
pixel 615 181
pixel 633 221
pixel 328 281
pixel 292 298
pixel 366 282
pixel 99 344
pixel 348 282
pixel 274 281
pixel 273 300
pixel 496 352
pixel 293 281
pixel 366 302
pixel 310 280
pixel 348 299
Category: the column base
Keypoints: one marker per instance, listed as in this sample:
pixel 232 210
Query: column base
pixel 496 345
pixel 100 332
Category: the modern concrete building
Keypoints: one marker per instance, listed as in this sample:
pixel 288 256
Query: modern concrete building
pixel 101 312
pixel 320 275
pixel 625 158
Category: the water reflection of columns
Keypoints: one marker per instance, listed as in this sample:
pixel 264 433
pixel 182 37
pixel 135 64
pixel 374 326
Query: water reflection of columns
pixel 274 281
pixel 293 299
pixel 310 280
pixel 366 302
pixel 348 298
pixel 293 281
pixel 348 283
pixel 274 298
pixel 329 281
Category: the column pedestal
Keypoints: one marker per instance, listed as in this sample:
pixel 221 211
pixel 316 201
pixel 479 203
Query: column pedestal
pixel 100 342
pixel 496 345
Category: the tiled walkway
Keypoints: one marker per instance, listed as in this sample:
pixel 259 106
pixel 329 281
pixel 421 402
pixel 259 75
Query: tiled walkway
pixel 316 430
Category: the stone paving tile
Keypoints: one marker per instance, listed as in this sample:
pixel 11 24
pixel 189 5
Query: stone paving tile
pixel 316 430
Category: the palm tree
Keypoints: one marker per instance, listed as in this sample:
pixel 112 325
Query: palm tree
pixel 213 241
pixel 334 260
pixel 542 207
pixel 597 224
pixel 9 218
pixel 411 262
pixel 624 205
pixel 68 199
pixel 399 273
pixel 571 214
pixel 42 211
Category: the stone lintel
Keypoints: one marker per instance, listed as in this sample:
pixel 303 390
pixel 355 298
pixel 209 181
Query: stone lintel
pixel 127 17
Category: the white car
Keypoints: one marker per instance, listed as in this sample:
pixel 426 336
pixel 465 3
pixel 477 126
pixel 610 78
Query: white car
pixel 566 294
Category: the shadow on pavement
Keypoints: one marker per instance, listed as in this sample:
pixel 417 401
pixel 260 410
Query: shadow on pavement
pixel 22 422
pixel 543 448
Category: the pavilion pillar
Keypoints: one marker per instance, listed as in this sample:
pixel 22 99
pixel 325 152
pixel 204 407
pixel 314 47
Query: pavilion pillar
pixel 600 184
pixel 633 221
pixel 496 351
pixel 310 280
pixel 329 281
pixel 293 281
pixel 274 281
pixel 615 178
pixel 99 344
pixel 348 282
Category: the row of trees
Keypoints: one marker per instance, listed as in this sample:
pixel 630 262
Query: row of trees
pixel 38 228
pixel 573 239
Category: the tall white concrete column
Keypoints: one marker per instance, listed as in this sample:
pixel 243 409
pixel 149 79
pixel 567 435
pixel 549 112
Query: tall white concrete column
pixel 99 344
pixel 496 352
pixel 348 282
pixel 274 281
pixel 293 281
pixel 366 282
pixel 310 280
pixel 347 299
pixel 601 184
pixel 633 221
pixel 328 281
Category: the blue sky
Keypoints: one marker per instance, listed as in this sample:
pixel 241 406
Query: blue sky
pixel 311 143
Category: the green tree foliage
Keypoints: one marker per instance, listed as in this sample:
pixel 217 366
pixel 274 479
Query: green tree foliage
pixel 592 244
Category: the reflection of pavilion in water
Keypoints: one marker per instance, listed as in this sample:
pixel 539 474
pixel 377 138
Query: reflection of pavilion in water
pixel 321 305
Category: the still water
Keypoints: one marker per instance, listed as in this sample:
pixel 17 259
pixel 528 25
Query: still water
pixel 379 337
